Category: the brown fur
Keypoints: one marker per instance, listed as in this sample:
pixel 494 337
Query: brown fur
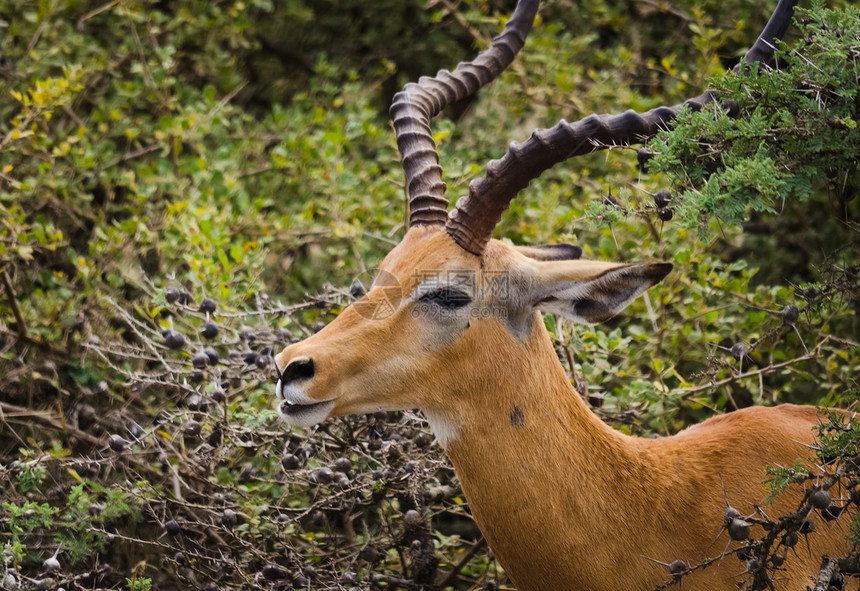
pixel 565 502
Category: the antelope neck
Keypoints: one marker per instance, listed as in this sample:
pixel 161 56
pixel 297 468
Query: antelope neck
pixel 548 482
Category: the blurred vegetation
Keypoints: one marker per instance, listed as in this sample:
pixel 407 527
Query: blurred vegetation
pixel 186 187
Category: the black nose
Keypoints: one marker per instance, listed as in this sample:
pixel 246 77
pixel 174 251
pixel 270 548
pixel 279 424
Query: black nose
pixel 298 369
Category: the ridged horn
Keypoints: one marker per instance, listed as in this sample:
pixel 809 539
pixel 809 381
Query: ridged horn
pixel 472 221
pixel 413 107
pixel 474 217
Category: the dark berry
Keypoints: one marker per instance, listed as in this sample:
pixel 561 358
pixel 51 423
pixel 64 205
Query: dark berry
pixel 731 107
pixel 643 156
pixel 610 199
pixel 739 529
pixel 172 528
pixel 369 553
pixel 789 315
pixel 212 354
pixel 777 560
pixel 342 465
pixel 174 340
pixel 191 428
pixel 819 498
pixel 200 360
pixel 324 475
pixel 171 294
pixel 318 518
pixel 291 462
pixel 739 350
pixel 229 518
pixel 209 330
pixel 678 567
pixel 116 443
pixel 272 572
pixel 219 395
pixel 662 198
pixel 665 214
pixel 356 290
pixel 208 306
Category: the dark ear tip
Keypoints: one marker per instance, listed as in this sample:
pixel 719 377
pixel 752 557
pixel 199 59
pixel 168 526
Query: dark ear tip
pixel 561 252
pixel 552 252
pixel 659 270
pixel 573 251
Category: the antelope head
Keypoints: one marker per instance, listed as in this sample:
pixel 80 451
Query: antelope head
pixel 434 309
pixel 448 292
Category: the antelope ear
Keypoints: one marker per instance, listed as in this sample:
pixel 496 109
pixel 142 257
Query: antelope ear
pixel 591 291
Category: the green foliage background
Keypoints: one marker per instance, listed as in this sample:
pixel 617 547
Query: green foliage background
pixel 240 150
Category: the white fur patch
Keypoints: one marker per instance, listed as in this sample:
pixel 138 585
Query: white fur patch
pixel 443 427
pixel 298 409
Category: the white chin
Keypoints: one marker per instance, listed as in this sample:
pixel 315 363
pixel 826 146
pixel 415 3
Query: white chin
pixel 304 415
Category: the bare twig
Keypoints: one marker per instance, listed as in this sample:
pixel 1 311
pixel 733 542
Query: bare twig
pixel 45 418
pixel 686 392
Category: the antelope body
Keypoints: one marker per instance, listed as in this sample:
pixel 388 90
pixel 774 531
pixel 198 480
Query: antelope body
pixel 564 501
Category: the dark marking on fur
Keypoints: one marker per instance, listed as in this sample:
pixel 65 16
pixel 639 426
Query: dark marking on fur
pixel 518 419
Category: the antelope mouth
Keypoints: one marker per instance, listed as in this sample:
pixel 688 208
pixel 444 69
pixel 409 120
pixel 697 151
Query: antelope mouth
pixel 305 415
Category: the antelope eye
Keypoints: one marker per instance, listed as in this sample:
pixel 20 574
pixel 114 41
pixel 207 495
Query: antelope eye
pixel 447 297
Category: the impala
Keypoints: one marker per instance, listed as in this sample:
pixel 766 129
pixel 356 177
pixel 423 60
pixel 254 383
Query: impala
pixel 453 326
